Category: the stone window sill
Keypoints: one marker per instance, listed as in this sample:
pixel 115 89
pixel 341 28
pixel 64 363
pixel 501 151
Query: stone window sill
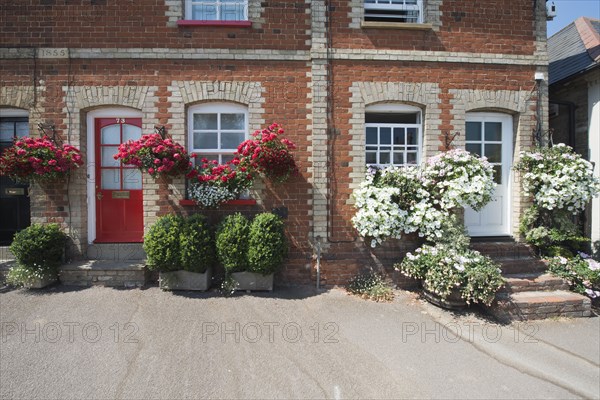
pixel 230 24
pixel 238 202
pixel 395 25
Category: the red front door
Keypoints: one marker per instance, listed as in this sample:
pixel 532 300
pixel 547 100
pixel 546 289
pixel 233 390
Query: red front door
pixel 119 210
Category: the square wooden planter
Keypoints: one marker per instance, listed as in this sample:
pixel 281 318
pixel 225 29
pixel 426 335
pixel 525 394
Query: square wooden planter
pixel 252 281
pixel 185 280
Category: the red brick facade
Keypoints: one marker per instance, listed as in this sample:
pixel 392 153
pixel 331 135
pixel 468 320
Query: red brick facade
pixel 303 60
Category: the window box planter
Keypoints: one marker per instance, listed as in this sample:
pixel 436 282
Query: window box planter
pixel 252 281
pixel 185 280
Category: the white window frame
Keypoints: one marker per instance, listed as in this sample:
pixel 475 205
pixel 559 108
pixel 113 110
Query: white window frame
pixel 215 108
pixel 405 148
pixel 384 9
pixel 218 5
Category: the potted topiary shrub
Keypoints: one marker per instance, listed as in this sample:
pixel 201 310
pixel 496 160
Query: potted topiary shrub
pixel 161 244
pixel 232 244
pixel 182 250
pixel 267 248
pixel 38 250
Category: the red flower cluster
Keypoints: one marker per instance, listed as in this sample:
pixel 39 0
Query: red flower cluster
pixel 155 155
pixel 268 154
pixel 230 175
pixel 39 159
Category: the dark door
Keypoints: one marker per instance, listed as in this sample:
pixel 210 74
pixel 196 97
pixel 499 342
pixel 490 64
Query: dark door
pixel 14 198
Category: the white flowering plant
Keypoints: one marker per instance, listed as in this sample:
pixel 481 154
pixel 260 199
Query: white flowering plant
pixel 582 272
pixel 443 268
pixel 558 178
pixel 394 201
pixel 561 184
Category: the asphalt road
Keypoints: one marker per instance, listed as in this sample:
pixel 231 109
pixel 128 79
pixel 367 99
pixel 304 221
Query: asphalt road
pixel 102 343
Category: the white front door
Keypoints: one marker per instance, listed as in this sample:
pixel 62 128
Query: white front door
pixel 491 135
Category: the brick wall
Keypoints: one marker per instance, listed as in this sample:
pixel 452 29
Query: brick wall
pixel 61 60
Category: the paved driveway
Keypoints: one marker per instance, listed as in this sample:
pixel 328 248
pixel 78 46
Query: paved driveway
pixel 293 343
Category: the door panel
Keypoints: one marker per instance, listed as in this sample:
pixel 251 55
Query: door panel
pixel 119 209
pixel 490 135
pixel 14 197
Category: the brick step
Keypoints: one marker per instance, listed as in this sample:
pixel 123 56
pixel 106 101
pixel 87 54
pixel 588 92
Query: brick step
pixel 532 305
pixel 116 251
pixel 523 266
pixel 126 274
pixel 509 250
pixel 533 282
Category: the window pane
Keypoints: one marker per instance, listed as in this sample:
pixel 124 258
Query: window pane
pixel 205 140
pixel 493 131
pixel 398 135
pixel 107 156
pixel 131 132
pixel 473 148
pixel 371 135
pixel 22 129
pixel 398 158
pixel 231 140
pixel 473 131
pixel 385 136
pixel 493 152
pixel 226 157
pixel 371 157
pixel 207 12
pixel 384 158
pixel 111 134
pixel 132 179
pixel 111 179
pixel 498 174
pixel 7 131
pixel 411 136
pixel 411 158
pixel 233 121
pixel 205 121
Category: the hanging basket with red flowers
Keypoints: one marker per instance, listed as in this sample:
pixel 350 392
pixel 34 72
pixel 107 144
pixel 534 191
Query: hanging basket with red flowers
pixel 39 159
pixel 268 154
pixel 155 155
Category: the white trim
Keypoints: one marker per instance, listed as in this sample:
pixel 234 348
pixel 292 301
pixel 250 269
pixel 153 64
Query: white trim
pixel 13 112
pixel 214 108
pixel 108 112
pixel 392 108
pixel 507 159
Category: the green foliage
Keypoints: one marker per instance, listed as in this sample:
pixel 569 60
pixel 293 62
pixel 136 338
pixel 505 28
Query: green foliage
pixel 39 246
pixel 196 244
pixel 267 246
pixel 162 244
pixel 581 271
pixel 553 232
pixel 24 276
pixel 232 242
pixel 443 268
pixel 454 235
pixel 370 286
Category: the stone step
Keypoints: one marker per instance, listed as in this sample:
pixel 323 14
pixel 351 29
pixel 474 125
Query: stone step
pixel 509 250
pixel 5 265
pixel 116 251
pixel 533 282
pixel 523 266
pixel 5 254
pixel 127 274
pixel 532 305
